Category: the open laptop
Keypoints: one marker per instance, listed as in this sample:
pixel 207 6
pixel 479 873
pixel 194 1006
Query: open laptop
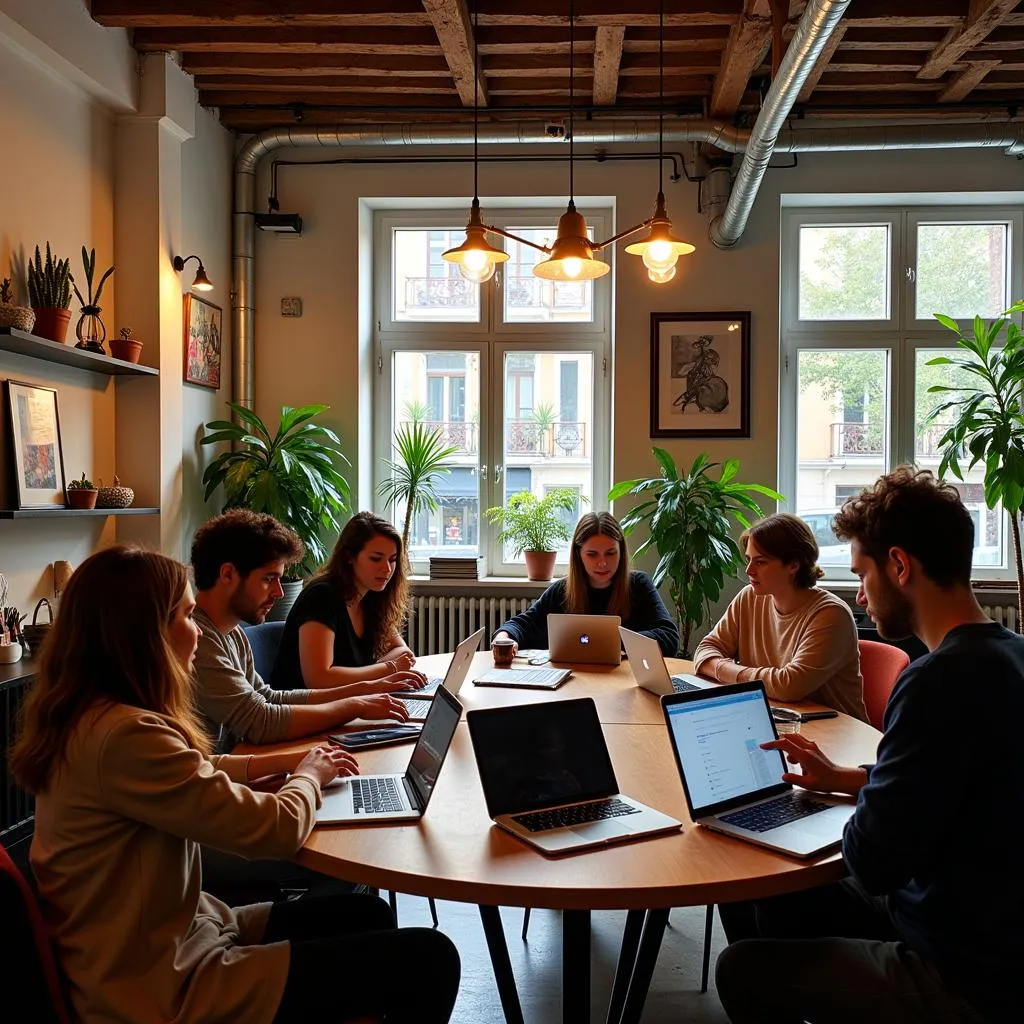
pixel 547 778
pixel 735 787
pixel 649 669
pixel 584 639
pixel 418 701
pixel 397 797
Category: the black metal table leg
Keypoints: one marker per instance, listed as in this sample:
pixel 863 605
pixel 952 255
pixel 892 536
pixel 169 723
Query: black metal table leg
pixel 643 970
pixel 503 976
pixel 627 961
pixel 576 967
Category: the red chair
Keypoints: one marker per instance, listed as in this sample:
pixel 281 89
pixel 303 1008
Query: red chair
pixel 880 665
pixel 27 963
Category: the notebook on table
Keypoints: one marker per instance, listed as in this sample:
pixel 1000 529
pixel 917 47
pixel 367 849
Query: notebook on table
pixel 735 787
pixel 584 639
pixel 524 678
pixel 548 779
pixel 356 799
pixel 418 701
pixel 649 669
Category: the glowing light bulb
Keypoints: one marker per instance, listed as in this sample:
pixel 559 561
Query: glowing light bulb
pixel 476 266
pixel 651 258
pixel 572 266
pixel 662 276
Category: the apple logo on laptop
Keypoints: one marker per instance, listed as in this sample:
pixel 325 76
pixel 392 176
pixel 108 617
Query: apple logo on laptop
pixel 584 639
pixel 643 661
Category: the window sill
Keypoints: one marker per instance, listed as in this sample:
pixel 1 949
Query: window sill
pixel 488 586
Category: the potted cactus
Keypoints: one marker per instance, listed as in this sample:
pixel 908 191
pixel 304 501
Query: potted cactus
pixel 90 330
pixel 127 346
pixel 11 314
pixel 49 289
pixel 82 493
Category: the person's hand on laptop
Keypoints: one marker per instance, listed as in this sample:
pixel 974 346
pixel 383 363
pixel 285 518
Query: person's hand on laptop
pixel 325 764
pixel 819 772
pixel 397 682
pixel 402 662
pixel 380 706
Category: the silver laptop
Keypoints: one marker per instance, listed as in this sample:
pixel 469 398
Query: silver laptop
pixel 649 669
pixel 418 702
pixel 735 787
pixel 397 797
pixel 547 778
pixel 585 639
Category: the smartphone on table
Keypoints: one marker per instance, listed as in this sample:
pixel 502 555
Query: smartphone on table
pixel 385 736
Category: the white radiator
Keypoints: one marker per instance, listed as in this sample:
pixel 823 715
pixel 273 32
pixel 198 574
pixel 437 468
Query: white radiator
pixel 1004 614
pixel 438 623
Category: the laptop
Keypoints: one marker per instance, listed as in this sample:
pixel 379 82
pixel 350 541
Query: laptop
pixel 397 797
pixel 418 701
pixel 735 787
pixel 585 639
pixel 547 778
pixel 649 669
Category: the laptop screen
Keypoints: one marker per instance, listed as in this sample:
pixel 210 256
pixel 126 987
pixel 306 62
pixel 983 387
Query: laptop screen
pixel 541 755
pixel 717 738
pixel 435 738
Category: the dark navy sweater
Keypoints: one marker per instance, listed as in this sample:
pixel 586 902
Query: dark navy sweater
pixel 937 828
pixel 647 614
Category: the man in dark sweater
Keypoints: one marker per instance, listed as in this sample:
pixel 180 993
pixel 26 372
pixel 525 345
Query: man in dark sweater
pixel 930 925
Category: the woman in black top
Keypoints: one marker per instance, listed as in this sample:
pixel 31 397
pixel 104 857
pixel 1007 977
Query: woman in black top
pixel 344 627
pixel 599 583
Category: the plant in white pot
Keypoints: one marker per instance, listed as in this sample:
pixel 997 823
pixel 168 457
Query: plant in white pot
pixel 533 526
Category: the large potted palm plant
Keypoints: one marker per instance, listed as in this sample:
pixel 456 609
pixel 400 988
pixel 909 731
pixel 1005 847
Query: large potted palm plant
pixel 690 518
pixel 290 473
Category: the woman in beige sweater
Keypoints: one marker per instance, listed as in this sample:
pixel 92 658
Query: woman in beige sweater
pixel 798 639
pixel 126 790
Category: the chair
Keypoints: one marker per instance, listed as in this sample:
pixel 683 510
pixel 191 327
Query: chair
pixel 264 639
pixel 880 665
pixel 27 960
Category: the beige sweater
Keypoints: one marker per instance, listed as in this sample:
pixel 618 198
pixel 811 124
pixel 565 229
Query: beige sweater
pixel 116 857
pixel 810 654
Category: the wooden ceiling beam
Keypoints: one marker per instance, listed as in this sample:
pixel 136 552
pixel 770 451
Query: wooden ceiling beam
pixel 828 51
pixel 454 29
pixel 966 81
pixel 255 13
pixel 742 56
pixel 982 17
pixel 256 85
pixel 312 64
pixel 370 99
pixel 287 40
pixel 607 60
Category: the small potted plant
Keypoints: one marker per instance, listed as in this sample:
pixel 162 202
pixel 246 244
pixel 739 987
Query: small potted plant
pixel 49 290
pixel 127 346
pixel 90 329
pixel 82 493
pixel 533 526
pixel 12 315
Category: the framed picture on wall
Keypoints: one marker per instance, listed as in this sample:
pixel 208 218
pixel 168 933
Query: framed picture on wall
pixel 202 342
pixel 700 374
pixel 36 454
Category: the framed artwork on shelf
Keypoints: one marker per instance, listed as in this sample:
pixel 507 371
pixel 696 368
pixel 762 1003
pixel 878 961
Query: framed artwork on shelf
pixel 202 342
pixel 700 374
pixel 37 458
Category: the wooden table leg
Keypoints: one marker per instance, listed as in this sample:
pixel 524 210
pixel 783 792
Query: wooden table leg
pixel 503 976
pixel 576 967
pixel 643 970
pixel 627 962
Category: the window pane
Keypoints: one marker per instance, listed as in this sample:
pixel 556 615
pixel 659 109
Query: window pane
pixel 529 299
pixel 442 391
pixel 962 270
pixel 844 272
pixel 842 417
pixel 424 287
pixel 543 448
pixel 989 538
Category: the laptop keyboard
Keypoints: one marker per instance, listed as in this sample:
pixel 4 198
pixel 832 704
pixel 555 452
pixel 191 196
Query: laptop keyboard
pixel 577 814
pixel 766 816
pixel 681 685
pixel 417 708
pixel 374 795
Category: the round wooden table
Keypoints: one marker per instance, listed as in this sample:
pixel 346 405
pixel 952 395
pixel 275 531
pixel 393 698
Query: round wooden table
pixel 454 852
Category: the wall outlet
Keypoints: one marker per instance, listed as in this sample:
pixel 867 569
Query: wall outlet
pixel 291 307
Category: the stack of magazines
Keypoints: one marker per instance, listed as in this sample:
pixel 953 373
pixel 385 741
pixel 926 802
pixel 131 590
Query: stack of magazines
pixel 454 568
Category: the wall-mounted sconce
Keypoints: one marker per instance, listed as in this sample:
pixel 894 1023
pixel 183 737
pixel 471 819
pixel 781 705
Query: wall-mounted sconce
pixel 201 283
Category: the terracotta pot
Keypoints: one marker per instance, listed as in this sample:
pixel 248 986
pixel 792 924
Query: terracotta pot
pixel 81 497
pixel 129 350
pixel 52 323
pixel 540 565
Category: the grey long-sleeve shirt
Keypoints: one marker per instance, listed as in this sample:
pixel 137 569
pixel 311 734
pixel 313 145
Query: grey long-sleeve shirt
pixel 236 703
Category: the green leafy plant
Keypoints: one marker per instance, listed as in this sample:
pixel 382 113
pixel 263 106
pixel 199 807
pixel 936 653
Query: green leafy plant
pixel 91 305
pixel 544 418
pixel 690 517
pixel 49 282
pixel 530 523
pixel 989 411
pixel 289 474
pixel 416 412
pixel 81 485
pixel 422 460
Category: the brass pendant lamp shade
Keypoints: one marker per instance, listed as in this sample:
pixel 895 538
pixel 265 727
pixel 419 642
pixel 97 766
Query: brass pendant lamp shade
pixel 572 253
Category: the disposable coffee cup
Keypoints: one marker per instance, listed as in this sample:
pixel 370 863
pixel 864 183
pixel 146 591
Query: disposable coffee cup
pixel 503 651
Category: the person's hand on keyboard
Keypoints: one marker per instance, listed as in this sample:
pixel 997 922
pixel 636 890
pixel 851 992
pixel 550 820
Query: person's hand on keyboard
pixel 399 681
pixel 326 763
pixel 380 706
pixel 402 662
pixel 819 772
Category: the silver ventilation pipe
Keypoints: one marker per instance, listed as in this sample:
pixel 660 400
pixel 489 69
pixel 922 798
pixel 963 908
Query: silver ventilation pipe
pixel 820 17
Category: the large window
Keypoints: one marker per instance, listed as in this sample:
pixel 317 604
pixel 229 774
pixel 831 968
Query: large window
pixel 512 374
pixel 859 290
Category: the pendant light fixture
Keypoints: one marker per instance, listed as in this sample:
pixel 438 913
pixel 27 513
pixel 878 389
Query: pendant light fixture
pixel 476 258
pixel 660 250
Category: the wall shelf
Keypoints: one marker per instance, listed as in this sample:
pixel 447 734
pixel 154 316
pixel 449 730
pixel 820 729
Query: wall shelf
pixel 24 344
pixel 61 513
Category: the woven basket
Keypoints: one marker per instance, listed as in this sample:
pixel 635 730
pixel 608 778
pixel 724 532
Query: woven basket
pixel 19 317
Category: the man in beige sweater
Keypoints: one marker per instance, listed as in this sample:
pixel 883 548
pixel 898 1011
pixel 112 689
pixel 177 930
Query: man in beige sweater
pixel 799 640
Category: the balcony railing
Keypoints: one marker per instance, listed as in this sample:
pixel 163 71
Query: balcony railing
pixel 926 444
pixel 856 439
pixel 460 434
pixel 530 292
pixel 566 439
pixel 439 292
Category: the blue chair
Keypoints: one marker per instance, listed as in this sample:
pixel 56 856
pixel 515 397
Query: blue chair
pixel 265 639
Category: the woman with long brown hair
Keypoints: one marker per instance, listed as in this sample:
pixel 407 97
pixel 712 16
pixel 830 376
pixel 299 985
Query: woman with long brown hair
pixel 126 791
pixel 599 582
pixel 344 627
